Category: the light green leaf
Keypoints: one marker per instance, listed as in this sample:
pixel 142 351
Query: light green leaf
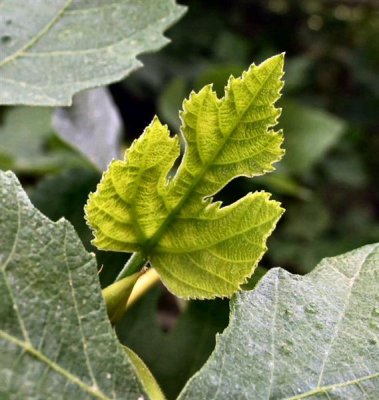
pixel 51 50
pixel 56 341
pixel 300 337
pixel 200 249
pixel 91 125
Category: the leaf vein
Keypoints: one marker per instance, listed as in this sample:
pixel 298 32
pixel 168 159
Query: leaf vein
pixel 325 389
pixel 28 348
pixel 272 365
pixel 38 36
pixel 73 295
pixel 340 318
pixel 3 270
pixel 185 282
pixel 212 273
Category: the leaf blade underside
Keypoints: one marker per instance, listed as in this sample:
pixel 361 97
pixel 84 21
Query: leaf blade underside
pixel 300 337
pixel 200 249
pixel 55 337
pixel 52 50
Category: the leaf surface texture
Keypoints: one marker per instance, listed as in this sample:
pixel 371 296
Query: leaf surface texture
pixel 55 337
pixel 300 337
pixel 49 50
pixel 200 249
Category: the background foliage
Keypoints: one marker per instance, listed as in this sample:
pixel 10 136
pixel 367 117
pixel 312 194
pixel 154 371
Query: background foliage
pixel 327 181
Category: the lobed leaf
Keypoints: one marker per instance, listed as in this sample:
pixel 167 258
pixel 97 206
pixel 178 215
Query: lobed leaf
pixel 56 341
pixel 200 249
pixel 300 337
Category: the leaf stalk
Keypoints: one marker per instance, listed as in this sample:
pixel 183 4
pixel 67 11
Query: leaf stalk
pixel 135 263
pixel 143 285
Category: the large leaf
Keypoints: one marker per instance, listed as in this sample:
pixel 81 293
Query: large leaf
pixel 51 50
pixel 92 125
pixel 64 195
pixel 200 249
pixel 55 337
pixel 297 337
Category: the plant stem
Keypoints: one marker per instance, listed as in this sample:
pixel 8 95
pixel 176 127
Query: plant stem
pixel 143 285
pixel 133 265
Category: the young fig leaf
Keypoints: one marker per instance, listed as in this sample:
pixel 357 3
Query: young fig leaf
pixel 199 248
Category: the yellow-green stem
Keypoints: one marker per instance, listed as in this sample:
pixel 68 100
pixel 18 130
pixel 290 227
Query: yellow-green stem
pixel 135 263
pixel 143 285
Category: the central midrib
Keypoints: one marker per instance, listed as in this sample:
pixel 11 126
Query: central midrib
pixel 149 245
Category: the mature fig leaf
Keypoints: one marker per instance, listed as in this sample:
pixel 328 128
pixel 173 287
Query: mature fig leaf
pixel 200 249
pixel 300 337
pixel 64 195
pixel 92 125
pixel 55 337
pixel 51 50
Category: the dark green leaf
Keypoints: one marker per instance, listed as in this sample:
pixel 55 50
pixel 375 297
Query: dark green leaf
pixel 55 337
pixel 294 337
pixel 51 50
pixel 64 195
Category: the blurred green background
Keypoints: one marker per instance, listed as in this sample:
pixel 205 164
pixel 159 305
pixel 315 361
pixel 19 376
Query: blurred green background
pixel 328 180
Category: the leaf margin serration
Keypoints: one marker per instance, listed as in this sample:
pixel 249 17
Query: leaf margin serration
pixel 206 201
